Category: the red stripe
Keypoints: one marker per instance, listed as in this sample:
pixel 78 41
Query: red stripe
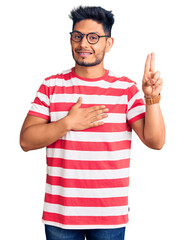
pixel 113 108
pixel 72 74
pixel 85 220
pixel 86 202
pixel 60 76
pixel 45 90
pixel 40 115
pixel 90 90
pixel 90 165
pixel 132 91
pixel 86 183
pixel 110 127
pixel 138 117
pixel 39 102
pixel 91 146
pixel 138 102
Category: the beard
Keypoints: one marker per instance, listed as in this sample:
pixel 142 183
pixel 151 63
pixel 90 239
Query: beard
pixel 99 58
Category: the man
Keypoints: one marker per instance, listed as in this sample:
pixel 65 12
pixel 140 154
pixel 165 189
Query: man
pixel 85 118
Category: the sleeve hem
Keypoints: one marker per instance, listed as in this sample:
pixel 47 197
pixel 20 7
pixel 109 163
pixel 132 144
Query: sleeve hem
pixel 136 118
pixel 38 115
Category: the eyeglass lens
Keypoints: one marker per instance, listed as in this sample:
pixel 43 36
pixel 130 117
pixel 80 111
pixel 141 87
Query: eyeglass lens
pixel 91 37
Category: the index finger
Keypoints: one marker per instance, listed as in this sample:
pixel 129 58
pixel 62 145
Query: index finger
pixel 152 63
pixel 95 108
pixel 147 64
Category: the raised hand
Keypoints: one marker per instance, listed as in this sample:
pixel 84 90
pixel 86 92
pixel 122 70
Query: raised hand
pixel 83 118
pixel 152 82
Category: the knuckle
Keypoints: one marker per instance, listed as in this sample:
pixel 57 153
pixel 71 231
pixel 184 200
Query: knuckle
pixel 95 108
pixel 99 112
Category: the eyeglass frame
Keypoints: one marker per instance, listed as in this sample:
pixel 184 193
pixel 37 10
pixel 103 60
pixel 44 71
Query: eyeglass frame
pixel 87 36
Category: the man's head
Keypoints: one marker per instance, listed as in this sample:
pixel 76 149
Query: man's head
pixel 89 50
pixel 98 14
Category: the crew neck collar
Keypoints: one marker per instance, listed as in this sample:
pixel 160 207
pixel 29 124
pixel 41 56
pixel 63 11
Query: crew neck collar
pixel 89 79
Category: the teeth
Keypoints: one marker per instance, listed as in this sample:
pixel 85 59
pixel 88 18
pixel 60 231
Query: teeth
pixel 84 53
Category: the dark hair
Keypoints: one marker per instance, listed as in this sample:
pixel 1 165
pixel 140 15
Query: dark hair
pixel 98 14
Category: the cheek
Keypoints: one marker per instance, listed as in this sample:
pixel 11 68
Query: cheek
pixel 99 49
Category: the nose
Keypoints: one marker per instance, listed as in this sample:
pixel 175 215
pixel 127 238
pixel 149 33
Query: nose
pixel 84 42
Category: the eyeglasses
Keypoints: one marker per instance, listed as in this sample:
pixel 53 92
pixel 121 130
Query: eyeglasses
pixel 92 38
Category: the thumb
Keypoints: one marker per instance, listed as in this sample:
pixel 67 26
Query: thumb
pixel 78 103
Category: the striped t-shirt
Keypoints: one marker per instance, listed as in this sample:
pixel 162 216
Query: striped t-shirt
pixel 88 171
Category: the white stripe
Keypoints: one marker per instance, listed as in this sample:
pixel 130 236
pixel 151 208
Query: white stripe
pixel 90 193
pixel 97 136
pixel 135 111
pixel 85 211
pixel 89 99
pixel 112 74
pixel 88 174
pixel 66 71
pixel 88 155
pixel 112 117
pixel 39 109
pixel 43 98
pixel 137 96
pixel 82 226
pixel 118 84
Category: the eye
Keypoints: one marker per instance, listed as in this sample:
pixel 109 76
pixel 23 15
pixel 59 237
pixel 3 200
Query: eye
pixel 77 36
pixel 93 37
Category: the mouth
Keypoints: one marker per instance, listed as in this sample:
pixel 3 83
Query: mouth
pixel 84 54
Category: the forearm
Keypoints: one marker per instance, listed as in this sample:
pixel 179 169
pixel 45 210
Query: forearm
pixel 41 135
pixel 154 127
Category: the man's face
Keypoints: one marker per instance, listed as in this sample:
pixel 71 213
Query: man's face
pixel 86 54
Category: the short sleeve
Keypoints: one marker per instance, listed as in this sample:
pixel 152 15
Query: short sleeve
pixel 136 105
pixel 41 104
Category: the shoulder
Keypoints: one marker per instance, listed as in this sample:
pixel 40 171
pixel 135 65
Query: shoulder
pixel 57 78
pixel 121 80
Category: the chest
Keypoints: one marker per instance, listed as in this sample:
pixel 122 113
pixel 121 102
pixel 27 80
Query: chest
pixel 65 96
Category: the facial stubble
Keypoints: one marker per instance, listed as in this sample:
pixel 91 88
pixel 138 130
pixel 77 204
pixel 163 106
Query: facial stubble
pixel 98 60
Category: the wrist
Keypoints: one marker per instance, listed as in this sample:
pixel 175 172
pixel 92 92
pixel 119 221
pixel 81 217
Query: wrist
pixel 149 100
pixel 67 123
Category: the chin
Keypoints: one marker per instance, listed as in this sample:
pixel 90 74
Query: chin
pixel 86 64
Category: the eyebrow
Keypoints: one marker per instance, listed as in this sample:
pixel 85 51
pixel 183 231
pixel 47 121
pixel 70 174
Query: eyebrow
pixel 87 33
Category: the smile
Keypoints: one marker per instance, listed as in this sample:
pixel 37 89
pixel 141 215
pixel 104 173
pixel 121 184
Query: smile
pixel 84 54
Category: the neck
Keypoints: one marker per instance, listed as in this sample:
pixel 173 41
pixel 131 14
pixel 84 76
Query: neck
pixel 90 72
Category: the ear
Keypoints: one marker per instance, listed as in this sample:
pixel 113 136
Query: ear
pixel 109 44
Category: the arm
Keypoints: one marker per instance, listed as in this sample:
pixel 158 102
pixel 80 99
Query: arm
pixel 38 133
pixel 151 129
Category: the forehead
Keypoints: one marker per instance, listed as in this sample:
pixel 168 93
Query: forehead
pixel 86 26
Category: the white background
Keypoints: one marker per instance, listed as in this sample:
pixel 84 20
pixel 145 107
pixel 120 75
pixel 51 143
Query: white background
pixel 34 44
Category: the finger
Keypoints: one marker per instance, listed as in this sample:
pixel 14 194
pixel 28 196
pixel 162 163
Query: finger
pixel 96 124
pixel 147 64
pixel 158 83
pixel 96 108
pixel 99 117
pixel 101 111
pixel 152 63
pixel 157 75
pixel 78 103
